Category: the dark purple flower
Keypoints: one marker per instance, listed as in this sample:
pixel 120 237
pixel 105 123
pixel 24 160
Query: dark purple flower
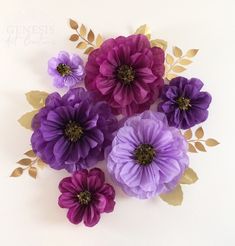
pixel 183 102
pixel 127 73
pixel 86 196
pixel 148 157
pixel 67 70
pixel 72 131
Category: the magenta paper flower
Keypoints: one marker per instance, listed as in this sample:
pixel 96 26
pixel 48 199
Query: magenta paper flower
pixel 86 196
pixel 127 73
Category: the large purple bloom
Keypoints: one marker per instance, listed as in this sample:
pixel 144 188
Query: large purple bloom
pixel 148 157
pixel 127 73
pixel 183 102
pixel 66 70
pixel 72 131
pixel 86 196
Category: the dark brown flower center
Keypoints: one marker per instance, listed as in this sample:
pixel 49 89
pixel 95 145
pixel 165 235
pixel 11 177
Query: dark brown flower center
pixel 73 131
pixel 63 69
pixel 126 74
pixel 144 154
pixel 84 197
pixel 184 103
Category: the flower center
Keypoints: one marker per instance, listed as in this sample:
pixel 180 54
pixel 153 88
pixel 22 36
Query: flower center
pixel 144 154
pixel 183 103
pixel 84 197
pixel 73 131
pixel 63 69
pixel 126 74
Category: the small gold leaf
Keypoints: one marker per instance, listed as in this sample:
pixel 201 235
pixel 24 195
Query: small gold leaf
pixel 88 50
pixel 191 148
pixel 24 162
pixel 36 98
pixel 41 164
pixel 178 69
pixel 189 177
pixel 159 43
pixel 211 142
pixel 174 197
pixel 144 29
pixel 185 62
pixel 177 52
pixel 26 119
pixel 83 30
pixel 169 59
pixel 191 53
pixel 81 45
pixel 91 36
pixel 74 37
pixel 199 133
pixel 99 40
pixel 30 153
pixel 17 172
pixel 33 172
pixel 73 24
pixel 199 146
pixel 188 134
pixel 171 76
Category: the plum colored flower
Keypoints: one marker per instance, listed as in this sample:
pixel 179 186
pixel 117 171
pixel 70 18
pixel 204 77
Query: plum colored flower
pixel 183 102
pixel 148 157
pixel 127 73
pixel 86 196
pixel 67 70
pixel 72 131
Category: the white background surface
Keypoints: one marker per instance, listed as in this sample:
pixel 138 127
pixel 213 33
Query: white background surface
pixel 33 31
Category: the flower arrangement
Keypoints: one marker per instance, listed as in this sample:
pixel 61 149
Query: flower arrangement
pixel 146 149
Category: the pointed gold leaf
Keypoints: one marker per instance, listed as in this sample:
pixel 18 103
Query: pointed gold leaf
pixel 174 197
pixel 177 51
pixel 144 29
pixel 191 53
pixel 199 133
pixel 88 50
pixel 26 119
pixel 185 62
pixel 91 36
pixel 81 45
pixel 191 148
pixel 73 24
pixel 25 161
pixel 33 172
pixel 83 30
pixel 159 43
pixel 189 177
pixel 17 172
pixel 41 164
pixel 169 59
pixel 178 69
pixel 30 153
pixel 211 142
pixel 171 76
pixel 99 40
pixel 188 134
pixel 199 146
pixel 74 37
pixel 36 98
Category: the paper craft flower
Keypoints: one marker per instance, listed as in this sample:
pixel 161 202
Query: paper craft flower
pixel 148 157
pixel 86 196
pixel 127 73
pixel 183 102
pixel 67 70
pixel 72 131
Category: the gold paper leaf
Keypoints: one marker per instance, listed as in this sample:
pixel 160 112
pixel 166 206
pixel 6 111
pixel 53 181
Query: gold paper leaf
pixel 174 197
pixel 24 162
pixel 185 62
pixel 169 59
pixel 189 177
pixel 33 172
pixel 144 29
pixel 191 148
pixel 26 119
pixel 199 146
pixel 99 40
pixel 36 98
pixel 41 164
pixel 191 53
pixel 17 172
pixel 199 133
pixel 91 36
pixel 73 24
pixel 188 134
pixel 177 52
pixel 211 142
pixel 171 76
pixel 83 30
pixel 74 37
pixel 30 153
pixel 159 43
pixel 178 69
pixel 88 50
pixel 81 45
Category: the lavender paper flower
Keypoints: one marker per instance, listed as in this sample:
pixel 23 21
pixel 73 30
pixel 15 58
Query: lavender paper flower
pixel 72 131
pixel 148 157
pixel 183 102
pixel 67 70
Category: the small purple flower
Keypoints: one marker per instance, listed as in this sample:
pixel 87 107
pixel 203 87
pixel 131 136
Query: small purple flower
pixel 86 196
pixel 148 157
pixel 67 70
pixel 183 102
pixel 73 131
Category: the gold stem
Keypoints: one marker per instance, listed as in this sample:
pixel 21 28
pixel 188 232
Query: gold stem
pixel 196 140
pixel 84 39
pixel 173 64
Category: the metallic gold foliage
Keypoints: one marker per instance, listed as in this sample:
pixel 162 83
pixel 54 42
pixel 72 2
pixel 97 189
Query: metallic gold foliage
pixel 159 43
pixel 189 177
pixel 26 119
pixel 174 197
pixel 144 29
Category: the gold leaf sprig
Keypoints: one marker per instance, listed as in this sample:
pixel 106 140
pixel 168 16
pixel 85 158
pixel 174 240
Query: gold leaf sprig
pixel 31 164
pixel 86 38
pixel 198 144
pixel 145 30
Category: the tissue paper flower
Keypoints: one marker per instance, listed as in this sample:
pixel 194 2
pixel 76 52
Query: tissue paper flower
pixel 86 196
pixel 72 131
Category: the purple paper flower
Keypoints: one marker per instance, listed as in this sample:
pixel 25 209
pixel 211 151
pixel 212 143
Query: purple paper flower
pixel 72 131
pixel 183 102
pixel 67 70
pixel 86 196
pixel 148 157
pixel 127 73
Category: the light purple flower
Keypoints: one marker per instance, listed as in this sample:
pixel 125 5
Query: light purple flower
pixel 67 70
pixel 148 157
